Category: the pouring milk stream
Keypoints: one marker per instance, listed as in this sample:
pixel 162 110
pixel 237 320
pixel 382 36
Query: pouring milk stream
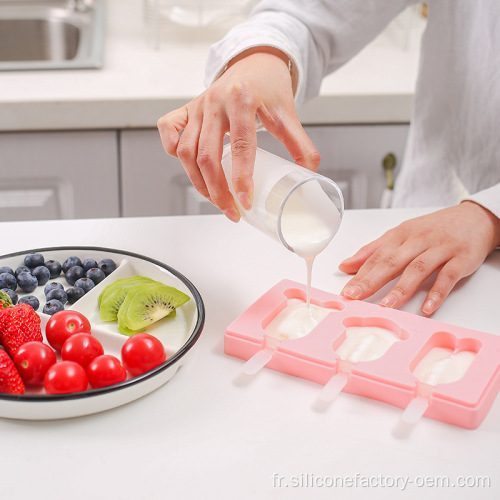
pixel 297 207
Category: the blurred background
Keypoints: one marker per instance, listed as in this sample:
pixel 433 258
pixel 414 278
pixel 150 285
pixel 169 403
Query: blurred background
pixel 83 83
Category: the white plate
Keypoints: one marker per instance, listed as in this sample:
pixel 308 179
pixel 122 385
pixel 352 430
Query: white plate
pixel 177 334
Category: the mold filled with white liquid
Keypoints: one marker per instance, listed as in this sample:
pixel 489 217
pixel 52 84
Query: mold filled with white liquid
pixel 365 343
pixel 442 365
pixel 296 320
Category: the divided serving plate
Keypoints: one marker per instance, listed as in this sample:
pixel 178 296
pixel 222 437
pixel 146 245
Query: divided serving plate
pixel 178 334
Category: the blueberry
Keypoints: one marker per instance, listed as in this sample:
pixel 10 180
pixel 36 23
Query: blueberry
pixel 107 266
pixel 53 306
pixel 7 269
pixel 73 274
pixel 74 294
pixel 71 262
pixel 95 274
pixel 27 282
pixel 8 281
pixel 31 300
pixel 54 268
pixel 33 260
pixel 85 283
pixel 57 294
pixel 42 274
pixel 52 286
pixel 22 269
pixel 89 264
pixel 11 294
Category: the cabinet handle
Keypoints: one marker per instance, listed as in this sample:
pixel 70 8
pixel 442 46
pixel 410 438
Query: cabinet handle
pixel 389 164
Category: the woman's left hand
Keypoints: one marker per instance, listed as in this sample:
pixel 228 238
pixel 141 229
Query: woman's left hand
pixel 453 241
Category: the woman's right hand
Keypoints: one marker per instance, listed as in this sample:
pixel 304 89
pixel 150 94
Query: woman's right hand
pixel 256 83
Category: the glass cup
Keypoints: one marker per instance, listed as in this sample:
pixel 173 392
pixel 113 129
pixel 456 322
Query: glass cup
pixel 293 205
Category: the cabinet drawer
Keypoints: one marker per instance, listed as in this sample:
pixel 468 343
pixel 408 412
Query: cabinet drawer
pixel 58 175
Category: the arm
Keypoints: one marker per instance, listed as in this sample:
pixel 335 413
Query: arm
pixel 249 76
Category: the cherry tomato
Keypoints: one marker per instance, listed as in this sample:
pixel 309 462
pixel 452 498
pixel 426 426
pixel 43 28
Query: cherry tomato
pixel 65 377
pixel 32 361
pixel 81 348
pixel 62 325
pixel 106 370
pixel 142 352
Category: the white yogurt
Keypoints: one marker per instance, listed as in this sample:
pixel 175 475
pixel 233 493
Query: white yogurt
pixel 296 320
pixel 309 222
pixel 365 343
pixel 442 366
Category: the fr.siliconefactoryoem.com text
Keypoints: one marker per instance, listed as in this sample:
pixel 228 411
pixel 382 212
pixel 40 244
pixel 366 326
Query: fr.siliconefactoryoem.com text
pixel 311 480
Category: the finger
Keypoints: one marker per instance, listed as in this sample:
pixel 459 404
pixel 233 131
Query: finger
pixel 290 132
pixel 170 127
pixel 415 273
pixel 209 163
pixel 380 268
pixel 446 279
pixel 187 151
pixel 243 136
pixel 352 264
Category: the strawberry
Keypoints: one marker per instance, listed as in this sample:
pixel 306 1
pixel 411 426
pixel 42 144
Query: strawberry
pixel 4 318
pixel 18 325
pixel 10 380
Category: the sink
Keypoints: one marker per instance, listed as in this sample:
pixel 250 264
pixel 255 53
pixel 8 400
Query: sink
pixel 52 34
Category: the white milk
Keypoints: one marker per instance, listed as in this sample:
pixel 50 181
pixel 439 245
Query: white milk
pixel 296 320
pixel 290 204
pixel 309 222
pixel 442 366
pixel 365 343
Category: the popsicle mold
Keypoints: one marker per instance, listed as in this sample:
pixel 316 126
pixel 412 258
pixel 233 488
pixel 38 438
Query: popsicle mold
pixel 426 367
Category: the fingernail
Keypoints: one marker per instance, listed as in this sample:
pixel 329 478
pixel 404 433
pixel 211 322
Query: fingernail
pixel 429 306
pixel 245 200
pixel 389 301
pixel 352 292
pixel 232 215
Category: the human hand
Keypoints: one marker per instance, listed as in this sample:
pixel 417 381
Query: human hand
pixel 453 241
pixel 257 82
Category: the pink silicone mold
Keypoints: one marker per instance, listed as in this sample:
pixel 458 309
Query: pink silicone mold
pixel 392 376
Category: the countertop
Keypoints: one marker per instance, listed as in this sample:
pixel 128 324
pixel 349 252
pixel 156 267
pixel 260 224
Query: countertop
pixel 141 80
pixel 205 434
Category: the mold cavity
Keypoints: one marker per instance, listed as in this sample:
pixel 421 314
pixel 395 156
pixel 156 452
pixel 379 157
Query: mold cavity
pixel 295 319
pixel 366 339
pixel 295 293
pixel 444 359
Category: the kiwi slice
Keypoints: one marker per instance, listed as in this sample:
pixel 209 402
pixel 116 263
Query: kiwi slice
pixel 127 331
pixel 120 283
pixel 147 303
pixel 115 295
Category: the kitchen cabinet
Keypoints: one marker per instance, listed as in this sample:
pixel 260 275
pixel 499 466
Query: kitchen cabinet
pixel 59 175
pixel 153 183
pixel 110 173
pixel 156 184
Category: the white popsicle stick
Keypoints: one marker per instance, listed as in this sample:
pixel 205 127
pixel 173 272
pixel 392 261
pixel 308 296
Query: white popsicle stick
pixel 415 410
pixel 258 361
pixel 333 387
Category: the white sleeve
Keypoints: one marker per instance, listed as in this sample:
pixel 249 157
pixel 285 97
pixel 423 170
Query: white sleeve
pixel 318 40
pixel 488 198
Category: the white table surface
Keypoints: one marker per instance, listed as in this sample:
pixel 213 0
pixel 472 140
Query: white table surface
pixel 207 433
